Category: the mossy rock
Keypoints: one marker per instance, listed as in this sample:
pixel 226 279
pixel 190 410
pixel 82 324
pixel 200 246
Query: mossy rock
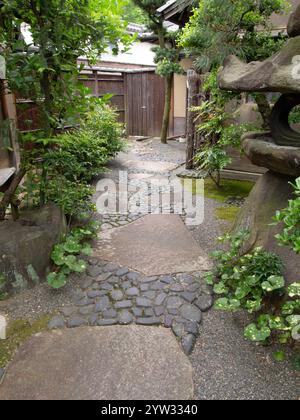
pixel 18 331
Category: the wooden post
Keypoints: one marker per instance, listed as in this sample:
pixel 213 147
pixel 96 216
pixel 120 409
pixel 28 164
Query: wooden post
pixel 194 83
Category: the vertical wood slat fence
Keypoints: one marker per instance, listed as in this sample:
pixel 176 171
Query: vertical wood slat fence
pixel 137 95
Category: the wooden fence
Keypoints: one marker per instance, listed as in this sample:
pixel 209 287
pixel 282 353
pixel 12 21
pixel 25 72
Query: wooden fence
pixel 137 95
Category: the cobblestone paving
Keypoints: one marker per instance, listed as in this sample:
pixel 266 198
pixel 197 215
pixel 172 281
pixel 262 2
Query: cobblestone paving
pixel 110 295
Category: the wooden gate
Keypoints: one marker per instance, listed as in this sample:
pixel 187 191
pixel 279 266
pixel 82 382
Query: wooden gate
pixel 145 93
pixel 138 96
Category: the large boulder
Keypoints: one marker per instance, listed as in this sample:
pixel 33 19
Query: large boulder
pixel 262 151
pixel 26 245
pixel 293 27
pixel 276 74
pixel 271 193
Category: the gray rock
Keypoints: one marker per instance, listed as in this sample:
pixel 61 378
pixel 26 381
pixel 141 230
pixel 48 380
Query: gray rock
pixel 160 299
pixel 56 322
pixel 106 322
pixel 86 310
pixel 94 270
pixel 84 302
pixel 123 304
pixel 191 327
pixel 104 277
pixel 159 310
pixel 188 296
pixel 143 302
pixel 157 286
pixel 176 287
pixel 2 372
pixel 117 295
pixel 148 321
pixel 174 302
pixel 178 329
pixel 166 279
pixel 93 319
pixel 106 286
pixel 76 322
pixel 188 343
pixel 293 27
pixel 86 282
pixel 149 312
pixel 144 287
pixel 204 302
pixel 149 279
pixel 121 272
pixel 173 311
pixel 132 276
pixel 186 278
pixel 193 287
pixel 168 320
pixel 68 310
pixel 114 280
pixel 125 318
pixel 190 312
pixel 94 293
pixel 102 304
pixel 109 313
pixel 110 267
pixel 150 294
pixel 126 285
pixel 132 291
pixel 137 312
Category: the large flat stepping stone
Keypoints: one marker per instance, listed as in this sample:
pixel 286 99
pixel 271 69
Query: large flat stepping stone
pixel 100 363
pixel 151 165
pixel 153 245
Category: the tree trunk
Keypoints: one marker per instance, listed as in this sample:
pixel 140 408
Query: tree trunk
pixel 193 100
pixel 264 109
pixel 9 194
pixel 166 118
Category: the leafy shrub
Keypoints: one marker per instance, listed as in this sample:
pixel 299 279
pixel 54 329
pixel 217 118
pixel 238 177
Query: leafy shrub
pixel 290 217
pixel 64 165
pixel 65 254
pixel 251 282
pixel 245 281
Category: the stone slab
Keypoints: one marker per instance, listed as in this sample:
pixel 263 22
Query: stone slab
pixel 151 165
pixel 100 363
pixel 153 245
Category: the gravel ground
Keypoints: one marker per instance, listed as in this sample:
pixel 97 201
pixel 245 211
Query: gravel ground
pixel 40 300
pixel 227 367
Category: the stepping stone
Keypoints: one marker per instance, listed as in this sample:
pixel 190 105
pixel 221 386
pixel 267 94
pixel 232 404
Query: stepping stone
pixel 169 248
pixel 112 366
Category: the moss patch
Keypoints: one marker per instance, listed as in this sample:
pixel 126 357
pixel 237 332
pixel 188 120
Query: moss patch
pixel 227 213
pixel 18 332
pixel 229 188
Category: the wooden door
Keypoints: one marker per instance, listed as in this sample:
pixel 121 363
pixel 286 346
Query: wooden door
pixel 145 96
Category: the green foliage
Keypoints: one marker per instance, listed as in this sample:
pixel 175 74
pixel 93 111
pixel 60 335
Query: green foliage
pixel 254 282
pixel 215 131
pixel 65 254
pixel 47 71
pixel 214 31
pixel 134 14
pixel 245 280
pixel 290 218
pixel 3 294
pixel 68 162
